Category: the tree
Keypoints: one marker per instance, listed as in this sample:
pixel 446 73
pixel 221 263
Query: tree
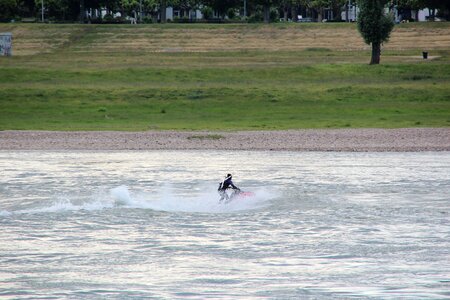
pixel 336 6
pixel 130 7
pixel 7 9
pixel 442 5
pixel 266 8
pixel 411 4
pixel 374 26
pixel 444 11
pixel 25 8
pixel 222 6
pixel 58 9
pixel 188 5
pixel 162 9
pixel 289 7
pixel 319 5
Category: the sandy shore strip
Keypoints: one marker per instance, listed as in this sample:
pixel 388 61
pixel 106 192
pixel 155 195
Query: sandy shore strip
pixel 359 140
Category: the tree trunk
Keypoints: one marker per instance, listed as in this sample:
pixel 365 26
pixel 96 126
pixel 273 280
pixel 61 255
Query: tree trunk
pixel 294 13
pixel 122 11
pixel 82 11
pixel 432 16
pixel 266 13
pixel 376 53
pixel 347 7
pixel 319 15
pixel 163 11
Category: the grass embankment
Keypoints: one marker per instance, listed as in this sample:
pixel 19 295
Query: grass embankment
pixel 222 77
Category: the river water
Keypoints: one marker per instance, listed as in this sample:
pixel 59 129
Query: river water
pixel 148 225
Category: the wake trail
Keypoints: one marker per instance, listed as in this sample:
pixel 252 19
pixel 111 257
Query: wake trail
pixel 164 199
pixel 203 202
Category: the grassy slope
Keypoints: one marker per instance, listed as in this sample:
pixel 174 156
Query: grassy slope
pixel 75 77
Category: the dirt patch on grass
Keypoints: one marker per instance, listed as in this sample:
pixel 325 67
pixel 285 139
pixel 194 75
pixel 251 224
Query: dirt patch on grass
pixel 33 39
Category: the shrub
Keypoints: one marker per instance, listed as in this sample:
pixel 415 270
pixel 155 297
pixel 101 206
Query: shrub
pixel 274 15
pixel 108 18
pixel 256 17
pixel 231 14
pixel 147 20
pixel 207 12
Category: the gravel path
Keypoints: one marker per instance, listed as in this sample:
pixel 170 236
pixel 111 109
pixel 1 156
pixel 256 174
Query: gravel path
pixel 398 140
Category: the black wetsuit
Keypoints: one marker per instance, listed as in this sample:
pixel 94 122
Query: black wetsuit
pixel 226 184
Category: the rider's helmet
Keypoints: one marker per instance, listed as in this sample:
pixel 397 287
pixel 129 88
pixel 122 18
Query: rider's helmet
pixel 229 175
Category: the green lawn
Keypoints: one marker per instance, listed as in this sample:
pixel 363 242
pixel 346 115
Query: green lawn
pixel 89 78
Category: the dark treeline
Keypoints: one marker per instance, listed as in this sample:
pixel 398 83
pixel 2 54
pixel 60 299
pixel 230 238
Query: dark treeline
pixel 147 11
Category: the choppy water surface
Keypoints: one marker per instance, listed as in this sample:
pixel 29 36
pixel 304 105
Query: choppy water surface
pixel 148 224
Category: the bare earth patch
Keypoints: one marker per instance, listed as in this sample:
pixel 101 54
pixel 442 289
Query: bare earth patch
pixel 37 39
pixel 359 140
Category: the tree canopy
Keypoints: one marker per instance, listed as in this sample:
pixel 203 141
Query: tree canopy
pixel 256 10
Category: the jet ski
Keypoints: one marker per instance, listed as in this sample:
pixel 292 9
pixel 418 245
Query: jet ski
pixel 235 195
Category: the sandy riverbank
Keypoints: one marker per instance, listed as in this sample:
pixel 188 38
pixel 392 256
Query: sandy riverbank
pixel 406 139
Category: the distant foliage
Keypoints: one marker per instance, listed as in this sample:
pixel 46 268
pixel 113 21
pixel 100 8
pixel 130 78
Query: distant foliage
pixel 439 7
pixel 207 12
pixel 231 13
pixel 89 10
pixel 7 9
pixel 256 17
pixel 256 10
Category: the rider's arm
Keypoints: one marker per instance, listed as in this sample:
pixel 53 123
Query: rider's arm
pixel 233 186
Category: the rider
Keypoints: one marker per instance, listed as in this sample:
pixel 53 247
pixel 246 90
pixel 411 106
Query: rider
pixel 224 185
